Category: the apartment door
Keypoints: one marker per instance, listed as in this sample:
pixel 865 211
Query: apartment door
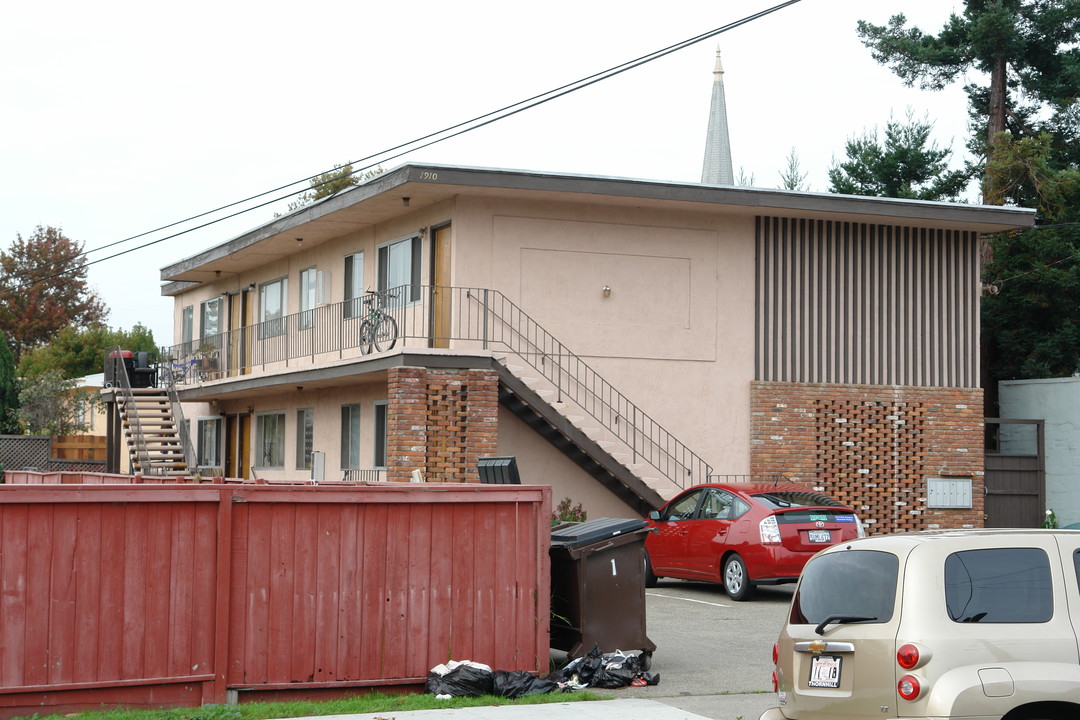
pixel 441 293
pixel 238 446
pixel 240 314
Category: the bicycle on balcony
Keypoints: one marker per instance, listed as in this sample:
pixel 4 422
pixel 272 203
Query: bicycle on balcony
pixel 379 330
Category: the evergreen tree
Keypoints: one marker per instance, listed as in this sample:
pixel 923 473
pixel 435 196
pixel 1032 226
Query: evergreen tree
pixel 1026 49
pixel 905 165
pixel 76 352
pixel 9 391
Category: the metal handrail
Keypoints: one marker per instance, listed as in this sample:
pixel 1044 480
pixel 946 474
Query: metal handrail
pixel 428 316
pixel 165 373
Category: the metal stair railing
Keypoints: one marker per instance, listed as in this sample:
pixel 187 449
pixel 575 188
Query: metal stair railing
pixel 166 374
pixel 505 324
pixel 131 415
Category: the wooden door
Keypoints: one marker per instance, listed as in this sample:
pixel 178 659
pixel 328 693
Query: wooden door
pixel 441 293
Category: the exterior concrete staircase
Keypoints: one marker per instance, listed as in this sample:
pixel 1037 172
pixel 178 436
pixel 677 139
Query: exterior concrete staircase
pixel 151 432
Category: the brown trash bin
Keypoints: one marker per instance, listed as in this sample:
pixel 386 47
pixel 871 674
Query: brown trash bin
pixel 598 587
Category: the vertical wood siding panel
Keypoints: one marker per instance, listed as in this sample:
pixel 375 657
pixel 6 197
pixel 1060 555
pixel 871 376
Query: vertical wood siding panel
pixel 465 629
pixel 423 554
pixel 238 593
pixel 280 583
pixel 14 566
pixel 396 609
pixel 440 607
pixel 761 303
pixel 61 598
pixel 304 618
pixel 375 556
pixel 204 582
pixel 135 586
pixel 257 617
pixel 832 341
pixel 350 620
pixel 503 619
pixel 91 568
pixel 484 586
pixel 156 590
pixel 182 590
pixel 110 646
pixel 329 586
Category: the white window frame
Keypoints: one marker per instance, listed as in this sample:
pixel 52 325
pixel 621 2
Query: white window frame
pixel 305 437
pixel 213 458
pixel 350 436
pixel 272 324
pixel 309 286
pixel 210 317
pixel 187 328
pixel 261 428
pixel 381 451
pixel 354 284
pixel 389 259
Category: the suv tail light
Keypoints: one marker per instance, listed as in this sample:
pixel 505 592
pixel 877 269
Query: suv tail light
pixel 909 687
pixel 775 653
pixel 912 655
pixel 907 656
pixel 770 530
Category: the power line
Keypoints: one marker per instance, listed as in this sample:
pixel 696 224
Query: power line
pixel 413 145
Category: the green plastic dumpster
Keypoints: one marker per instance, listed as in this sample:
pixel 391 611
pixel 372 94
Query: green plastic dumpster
pixel 598 587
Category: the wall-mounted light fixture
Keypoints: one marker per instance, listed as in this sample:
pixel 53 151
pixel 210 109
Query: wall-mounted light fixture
pixel 607 291
pixel 299 241
pixel 404 202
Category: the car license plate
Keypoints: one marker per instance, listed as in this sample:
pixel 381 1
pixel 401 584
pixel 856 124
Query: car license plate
pixel 824 671
pixel 819 536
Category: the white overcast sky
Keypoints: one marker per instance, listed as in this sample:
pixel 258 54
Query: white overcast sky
pixel 121 117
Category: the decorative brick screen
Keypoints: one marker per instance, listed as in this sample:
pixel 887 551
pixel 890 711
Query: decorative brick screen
pixel 440 422
pixel 873 447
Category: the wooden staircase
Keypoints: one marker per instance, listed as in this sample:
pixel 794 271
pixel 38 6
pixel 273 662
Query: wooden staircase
pixel 152 434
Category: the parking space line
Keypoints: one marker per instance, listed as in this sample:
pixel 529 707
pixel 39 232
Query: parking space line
pixel 676 597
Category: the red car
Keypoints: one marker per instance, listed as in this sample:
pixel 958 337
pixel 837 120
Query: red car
pixel 744 534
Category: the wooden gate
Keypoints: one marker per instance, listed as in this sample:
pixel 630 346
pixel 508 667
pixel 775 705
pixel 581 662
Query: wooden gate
pixel 1015 473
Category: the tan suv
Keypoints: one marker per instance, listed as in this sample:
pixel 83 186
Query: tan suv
pixel 974 624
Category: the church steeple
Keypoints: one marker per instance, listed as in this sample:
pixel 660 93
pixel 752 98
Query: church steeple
pixel 717 168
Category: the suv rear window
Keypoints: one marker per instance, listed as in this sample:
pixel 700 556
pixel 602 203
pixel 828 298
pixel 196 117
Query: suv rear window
pixel 855 584
pixel 1002 585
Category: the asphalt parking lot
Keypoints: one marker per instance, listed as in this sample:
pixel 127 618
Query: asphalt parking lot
pixel 714 656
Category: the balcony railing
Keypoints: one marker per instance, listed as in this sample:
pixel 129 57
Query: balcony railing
pixel 436 317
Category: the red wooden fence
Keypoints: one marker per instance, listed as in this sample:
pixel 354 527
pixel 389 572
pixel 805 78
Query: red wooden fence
pixel 156 595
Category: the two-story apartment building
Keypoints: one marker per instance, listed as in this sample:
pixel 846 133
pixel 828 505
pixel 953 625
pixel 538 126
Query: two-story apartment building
pixel 621 338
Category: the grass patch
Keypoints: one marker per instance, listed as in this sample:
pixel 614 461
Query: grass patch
pixel 361 704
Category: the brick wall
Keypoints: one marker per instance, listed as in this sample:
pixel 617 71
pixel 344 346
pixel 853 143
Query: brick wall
pixel 441 422
pixel 873 447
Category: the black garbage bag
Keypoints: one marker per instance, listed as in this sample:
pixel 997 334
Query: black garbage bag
pixel 518 683
pixel 609 671
pixel 465 679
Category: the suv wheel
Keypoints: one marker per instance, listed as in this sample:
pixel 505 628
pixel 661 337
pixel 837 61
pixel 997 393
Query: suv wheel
pixel 736 579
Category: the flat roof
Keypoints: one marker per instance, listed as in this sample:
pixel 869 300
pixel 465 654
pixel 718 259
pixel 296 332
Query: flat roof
pixel 380 198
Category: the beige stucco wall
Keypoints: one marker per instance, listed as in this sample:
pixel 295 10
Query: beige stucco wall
pixel 676 332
